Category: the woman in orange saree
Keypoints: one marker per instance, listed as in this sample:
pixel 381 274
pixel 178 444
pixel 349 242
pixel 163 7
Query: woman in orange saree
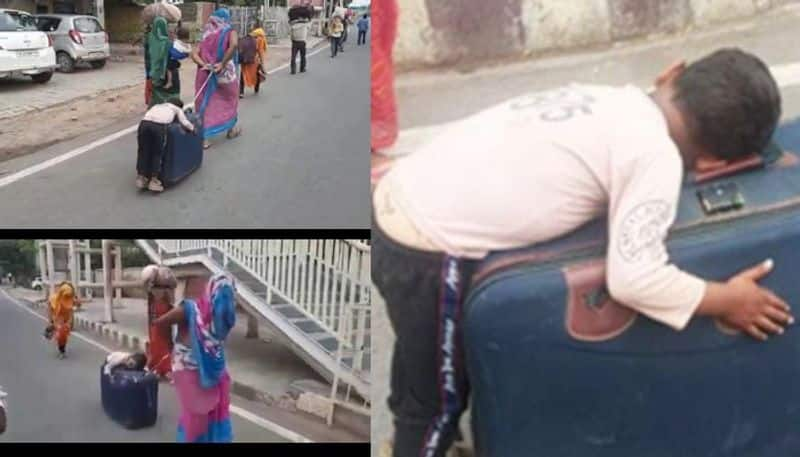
pixel 62 307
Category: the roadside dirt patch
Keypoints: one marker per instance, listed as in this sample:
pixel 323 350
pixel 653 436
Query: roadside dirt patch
pixel 33 131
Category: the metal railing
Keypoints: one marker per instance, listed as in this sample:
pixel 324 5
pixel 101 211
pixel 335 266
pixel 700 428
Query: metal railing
pixel 328 280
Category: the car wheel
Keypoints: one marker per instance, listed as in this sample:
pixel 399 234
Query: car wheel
pixel 98 63
pixel 37 288
pixel 65 62
pixel 42 78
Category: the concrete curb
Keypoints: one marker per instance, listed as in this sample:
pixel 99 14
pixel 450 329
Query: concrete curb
pixel 463 32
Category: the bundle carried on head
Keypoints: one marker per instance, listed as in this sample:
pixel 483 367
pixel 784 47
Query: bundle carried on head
pixel 168 11
pixel 158 276
pixel 299 11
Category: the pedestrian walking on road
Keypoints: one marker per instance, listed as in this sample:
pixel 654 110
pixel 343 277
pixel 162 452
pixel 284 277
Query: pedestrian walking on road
pixel 217 59
pixel 158 49
pixel 363 27
pixel 159 283
pixel 335 29
pixel 253 55
pixel 61 309
pixel 299 21
pixel 200 375
pixel 152 139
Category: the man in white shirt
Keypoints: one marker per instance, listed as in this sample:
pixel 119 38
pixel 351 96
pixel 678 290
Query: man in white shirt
pixel 537 167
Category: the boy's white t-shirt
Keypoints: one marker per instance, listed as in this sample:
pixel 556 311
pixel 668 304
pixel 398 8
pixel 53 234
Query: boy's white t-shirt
pixel 539 166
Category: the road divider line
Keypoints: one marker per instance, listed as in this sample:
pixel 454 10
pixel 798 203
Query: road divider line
pixel 25 172
pixel 241 412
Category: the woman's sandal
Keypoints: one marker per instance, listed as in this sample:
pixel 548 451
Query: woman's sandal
pixel 234 132
pixel 206 144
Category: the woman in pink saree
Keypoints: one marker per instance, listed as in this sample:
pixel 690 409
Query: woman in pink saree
pixel 217 81
pixel 204 319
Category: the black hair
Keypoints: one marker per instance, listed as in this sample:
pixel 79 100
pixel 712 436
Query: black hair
pixel 176 101
pixel 139 361
pixel 731 102
pixel 183 33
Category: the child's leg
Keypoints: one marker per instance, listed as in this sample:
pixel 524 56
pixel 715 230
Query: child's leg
pixel 168 84
pixel 429 387
pixel 143 151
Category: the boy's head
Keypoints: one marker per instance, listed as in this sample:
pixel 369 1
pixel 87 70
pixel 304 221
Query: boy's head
pixel 721 108
pixel 136 361
pixel 176 101
pixel 183 33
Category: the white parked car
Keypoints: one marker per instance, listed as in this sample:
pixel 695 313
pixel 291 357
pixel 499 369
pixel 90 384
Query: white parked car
pixel 37 284
pixel 24 50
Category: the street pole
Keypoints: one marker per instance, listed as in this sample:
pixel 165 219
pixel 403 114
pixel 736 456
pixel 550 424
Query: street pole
pixel 87 265
pixel 51 269
pixel 107 298
pixel 118 270
pixel 42 265
pixel 73 263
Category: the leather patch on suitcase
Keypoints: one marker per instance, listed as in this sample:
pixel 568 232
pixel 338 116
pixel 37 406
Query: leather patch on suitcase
pixel 592 315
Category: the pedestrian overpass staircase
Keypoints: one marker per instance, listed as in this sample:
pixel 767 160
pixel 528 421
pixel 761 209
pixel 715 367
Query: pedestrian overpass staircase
pixel 314 293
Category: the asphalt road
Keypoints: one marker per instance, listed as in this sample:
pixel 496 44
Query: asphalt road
pixel 429 99
pixel 57 400
pixel 301 162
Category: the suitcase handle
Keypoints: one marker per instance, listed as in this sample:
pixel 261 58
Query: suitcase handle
pixel 773 153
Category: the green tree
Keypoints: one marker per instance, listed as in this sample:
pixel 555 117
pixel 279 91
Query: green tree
pixel 18 257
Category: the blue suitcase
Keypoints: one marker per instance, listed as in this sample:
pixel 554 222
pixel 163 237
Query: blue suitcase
pixel 130 398
pixel 558 369
pixel 184 151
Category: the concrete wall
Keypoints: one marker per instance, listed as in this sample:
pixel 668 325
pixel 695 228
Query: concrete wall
pixel 434 32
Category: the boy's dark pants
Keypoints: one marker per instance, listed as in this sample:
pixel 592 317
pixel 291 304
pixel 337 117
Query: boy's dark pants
pixel 152 143
pixel 299 47
pixel 362 37
pixel 429 386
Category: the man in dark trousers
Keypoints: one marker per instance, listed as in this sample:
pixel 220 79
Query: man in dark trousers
pixel 299 21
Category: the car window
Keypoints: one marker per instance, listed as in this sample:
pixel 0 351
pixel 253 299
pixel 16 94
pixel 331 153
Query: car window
pixel 88 25
pixel 12 21
pixel 47 24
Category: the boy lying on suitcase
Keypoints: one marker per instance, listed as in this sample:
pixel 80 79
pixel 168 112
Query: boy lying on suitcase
pixel 152 138
pixel 537 167
pixel 135 362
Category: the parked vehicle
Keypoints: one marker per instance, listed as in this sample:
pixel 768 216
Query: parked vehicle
pixel 37 283
pixel 24 50
pixel 76 38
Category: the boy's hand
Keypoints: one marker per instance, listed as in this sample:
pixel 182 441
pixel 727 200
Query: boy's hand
pixel 755 310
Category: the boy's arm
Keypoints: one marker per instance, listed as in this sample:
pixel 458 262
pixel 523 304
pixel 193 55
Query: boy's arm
pixel 182 118
pixel 642 207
